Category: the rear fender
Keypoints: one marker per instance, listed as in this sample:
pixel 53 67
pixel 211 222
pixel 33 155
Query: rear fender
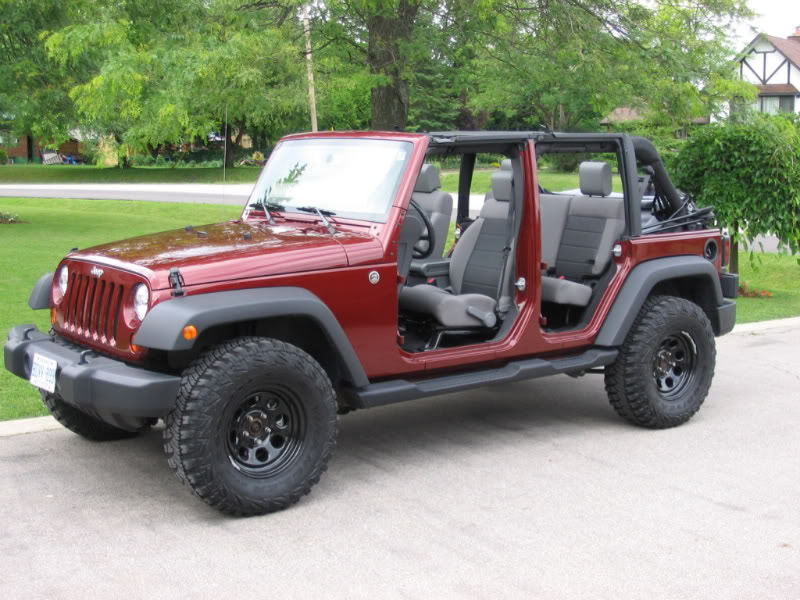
pixel 694 272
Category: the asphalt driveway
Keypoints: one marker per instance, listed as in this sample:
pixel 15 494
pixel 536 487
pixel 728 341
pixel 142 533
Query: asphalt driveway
pixel 530 490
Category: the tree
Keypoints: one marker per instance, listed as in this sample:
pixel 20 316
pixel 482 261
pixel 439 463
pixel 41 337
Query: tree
pixel 750 172
pixel 34 96
pixel 391 35
pixel 169 72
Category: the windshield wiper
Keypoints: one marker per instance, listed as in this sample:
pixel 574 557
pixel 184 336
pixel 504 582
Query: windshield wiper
pixel 322 215
pixel 274 206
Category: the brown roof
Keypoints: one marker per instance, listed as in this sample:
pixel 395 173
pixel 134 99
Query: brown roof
pixel 789 48
pixel 778 89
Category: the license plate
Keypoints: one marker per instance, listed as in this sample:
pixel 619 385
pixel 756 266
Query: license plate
pixel 43 373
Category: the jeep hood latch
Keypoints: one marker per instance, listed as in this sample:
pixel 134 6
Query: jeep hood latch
pixel 176 282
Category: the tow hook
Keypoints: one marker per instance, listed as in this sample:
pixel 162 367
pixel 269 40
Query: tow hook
pixel 176 281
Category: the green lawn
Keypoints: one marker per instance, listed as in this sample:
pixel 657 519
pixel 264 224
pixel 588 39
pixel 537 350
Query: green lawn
pixel 31 249
pixel 780 275
pixel 552 181
pixel 54 226
pixel 90 174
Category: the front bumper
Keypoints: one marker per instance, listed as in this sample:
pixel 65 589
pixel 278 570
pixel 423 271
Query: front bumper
pixel 102 387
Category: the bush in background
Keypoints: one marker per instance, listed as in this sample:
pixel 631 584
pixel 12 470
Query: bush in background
pixel 750 172
pixel 3 156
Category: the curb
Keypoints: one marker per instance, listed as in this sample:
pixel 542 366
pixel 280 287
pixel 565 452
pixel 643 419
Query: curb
pixel 37 424
pixel 765 325
pixel 23 426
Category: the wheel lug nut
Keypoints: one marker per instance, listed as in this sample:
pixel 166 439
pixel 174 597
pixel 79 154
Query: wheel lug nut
pixel 245 434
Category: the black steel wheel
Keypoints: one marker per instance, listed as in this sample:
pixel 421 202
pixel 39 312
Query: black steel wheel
pixel 266 432
pixel 674 363
pixel 665 366
pixel 254 426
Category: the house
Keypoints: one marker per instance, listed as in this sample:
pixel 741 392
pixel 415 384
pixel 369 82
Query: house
pixel 29 149
pixel 625 114
pixel 773 64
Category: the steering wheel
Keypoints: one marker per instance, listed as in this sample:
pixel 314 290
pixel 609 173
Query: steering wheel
pixel 429 235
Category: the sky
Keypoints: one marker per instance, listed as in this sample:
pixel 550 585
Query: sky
pixel 776 17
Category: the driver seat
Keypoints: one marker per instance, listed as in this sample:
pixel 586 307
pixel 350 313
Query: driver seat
pixel 475 267
pixel 438 206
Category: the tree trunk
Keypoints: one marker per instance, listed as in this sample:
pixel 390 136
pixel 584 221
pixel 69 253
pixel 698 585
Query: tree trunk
pixel 228 146
pixel 153 150
pixel 122 152
pixel 733 267
pixel 388 33
pixel 240 131
pixel 733 264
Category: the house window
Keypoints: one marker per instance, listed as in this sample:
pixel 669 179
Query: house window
pixel 772 105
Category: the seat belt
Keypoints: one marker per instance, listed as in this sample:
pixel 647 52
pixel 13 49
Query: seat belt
pixel 504 302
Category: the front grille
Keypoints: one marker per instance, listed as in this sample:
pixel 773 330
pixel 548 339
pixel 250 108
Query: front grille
pixel 97 310
pixel 94 308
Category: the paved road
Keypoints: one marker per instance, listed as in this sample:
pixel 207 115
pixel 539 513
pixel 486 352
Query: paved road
pixel 531 490
pixel 234 194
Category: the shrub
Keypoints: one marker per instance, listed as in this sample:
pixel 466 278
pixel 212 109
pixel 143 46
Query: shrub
pixel 565 162
pixel 258 156
pixel 750 172
pixel 3 156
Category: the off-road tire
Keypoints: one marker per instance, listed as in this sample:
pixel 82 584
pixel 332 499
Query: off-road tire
pixel 79 422
pixel 217 387
pixel 633 380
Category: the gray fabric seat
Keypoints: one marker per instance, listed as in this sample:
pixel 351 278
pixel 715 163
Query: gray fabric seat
pixel 578 234
pixel 409 234
pixel 438 205
pixel 505 165
pixel 475 268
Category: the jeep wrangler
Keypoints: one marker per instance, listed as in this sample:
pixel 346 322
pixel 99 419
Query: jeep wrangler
pixel 333 292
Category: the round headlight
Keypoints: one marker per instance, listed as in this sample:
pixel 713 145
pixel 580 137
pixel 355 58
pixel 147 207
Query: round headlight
pixel 141 300
pixel 63 279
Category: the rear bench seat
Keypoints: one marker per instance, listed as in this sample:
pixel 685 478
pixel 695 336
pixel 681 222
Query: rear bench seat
pixel 578 233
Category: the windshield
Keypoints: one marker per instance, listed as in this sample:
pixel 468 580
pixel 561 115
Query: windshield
pixel 349 178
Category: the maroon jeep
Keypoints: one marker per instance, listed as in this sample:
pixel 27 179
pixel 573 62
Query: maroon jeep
pixel 333 292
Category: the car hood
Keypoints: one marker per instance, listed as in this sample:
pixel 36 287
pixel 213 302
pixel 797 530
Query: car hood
pixel 225 251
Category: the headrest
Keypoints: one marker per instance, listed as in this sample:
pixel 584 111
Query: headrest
pixel 595 178
pixel 502 185
pixel 505 165
pixel 428 179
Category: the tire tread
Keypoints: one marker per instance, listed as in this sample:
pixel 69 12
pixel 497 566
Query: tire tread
pixel 624 381
pixel 197 402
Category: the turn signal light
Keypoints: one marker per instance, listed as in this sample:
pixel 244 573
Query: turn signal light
pixel 190 332
pixel 52 316
pixel 135 348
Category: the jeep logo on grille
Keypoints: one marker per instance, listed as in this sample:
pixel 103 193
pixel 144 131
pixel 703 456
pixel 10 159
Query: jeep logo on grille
pixel 96 272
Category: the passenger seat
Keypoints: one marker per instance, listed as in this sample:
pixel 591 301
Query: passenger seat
pixel 578 234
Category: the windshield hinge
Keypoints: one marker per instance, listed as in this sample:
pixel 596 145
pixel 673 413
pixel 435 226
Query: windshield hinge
pixel 176 282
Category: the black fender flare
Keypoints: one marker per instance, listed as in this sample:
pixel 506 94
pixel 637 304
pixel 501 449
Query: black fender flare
pixel 641 281
pixel 40 295
pixel 162 328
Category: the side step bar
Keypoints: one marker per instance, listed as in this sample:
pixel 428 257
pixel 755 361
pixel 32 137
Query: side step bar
pixel 400 390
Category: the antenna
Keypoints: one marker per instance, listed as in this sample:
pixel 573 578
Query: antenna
pixel 224 153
